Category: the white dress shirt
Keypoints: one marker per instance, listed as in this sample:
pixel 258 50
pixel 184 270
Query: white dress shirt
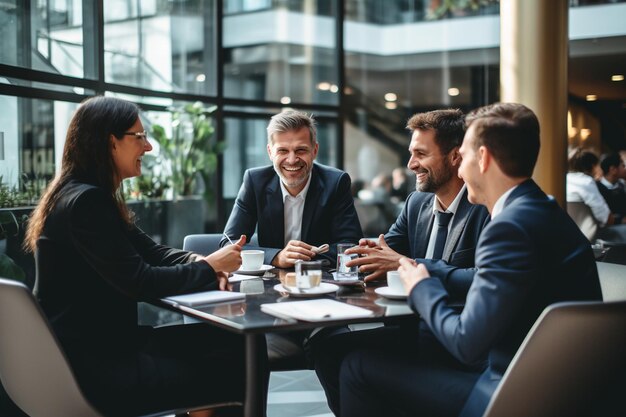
pixel 499 206
pixel 581 188
pixel 293 207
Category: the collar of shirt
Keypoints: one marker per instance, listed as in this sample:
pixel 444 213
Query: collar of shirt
pixel 300 195
pixel 453 206
pixel 499 206
pixel 608 184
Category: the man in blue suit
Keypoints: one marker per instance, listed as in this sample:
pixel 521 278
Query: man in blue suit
pixel 295 205
pixel 435 160
pixel 529 256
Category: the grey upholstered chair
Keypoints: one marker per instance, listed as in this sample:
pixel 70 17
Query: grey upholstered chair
pixel 571 363
pixel 33 368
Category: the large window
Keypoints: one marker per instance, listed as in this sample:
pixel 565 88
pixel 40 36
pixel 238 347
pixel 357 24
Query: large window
pixel 165 46
pixel 283 53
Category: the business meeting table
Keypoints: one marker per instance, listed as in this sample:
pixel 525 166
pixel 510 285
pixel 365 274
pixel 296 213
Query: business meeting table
pixel 245 317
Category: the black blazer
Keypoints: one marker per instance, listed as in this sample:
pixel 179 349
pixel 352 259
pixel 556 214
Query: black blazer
pixel 92 269
pixel 329 215
pixel 530 256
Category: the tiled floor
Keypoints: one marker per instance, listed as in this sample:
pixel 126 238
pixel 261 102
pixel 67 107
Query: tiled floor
pixel 296 394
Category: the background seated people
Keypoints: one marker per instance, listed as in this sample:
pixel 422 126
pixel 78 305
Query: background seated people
pixel 94 265
pixel 294 204
pixel 612 185
pixel 400 186
pixel 582 191
pixel 529 256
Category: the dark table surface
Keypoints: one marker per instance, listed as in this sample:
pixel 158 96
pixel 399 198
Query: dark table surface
pixel 246 316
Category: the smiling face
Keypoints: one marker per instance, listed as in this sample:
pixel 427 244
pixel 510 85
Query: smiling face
pixel 469 170
pixel 292 155
pixel 432 169
pixel 128 150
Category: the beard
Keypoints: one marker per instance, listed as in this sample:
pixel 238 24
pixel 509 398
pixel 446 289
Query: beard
pixel 434 179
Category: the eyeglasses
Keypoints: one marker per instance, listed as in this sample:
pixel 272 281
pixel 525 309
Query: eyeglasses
pixel 143 135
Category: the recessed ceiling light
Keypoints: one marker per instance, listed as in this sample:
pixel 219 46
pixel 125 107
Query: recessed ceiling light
pixel 591 97
pixel 453 91
pixel 617 77
pixel 285 100
pixel 391 97
pixel 391 105
pixel 334 88
pixel 585 133
pixel 200 78
pixel 324 86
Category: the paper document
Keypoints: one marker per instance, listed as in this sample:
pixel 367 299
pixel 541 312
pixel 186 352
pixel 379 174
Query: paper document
pixel 204 298
pixel 315 310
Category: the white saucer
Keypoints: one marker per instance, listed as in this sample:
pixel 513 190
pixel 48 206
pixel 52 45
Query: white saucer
pixel 323 288
pixel 254 271
pixel 388 293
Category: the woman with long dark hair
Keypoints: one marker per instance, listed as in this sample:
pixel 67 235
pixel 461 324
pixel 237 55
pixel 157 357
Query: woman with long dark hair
pixel 94 265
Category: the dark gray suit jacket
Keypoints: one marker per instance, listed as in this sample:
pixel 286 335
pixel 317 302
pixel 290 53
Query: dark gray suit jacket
pixel 329 215
pixel 530 256
pixel 410 234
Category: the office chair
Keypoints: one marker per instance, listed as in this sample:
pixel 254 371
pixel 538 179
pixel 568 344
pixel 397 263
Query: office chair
pixel 571 363
pixel 33 367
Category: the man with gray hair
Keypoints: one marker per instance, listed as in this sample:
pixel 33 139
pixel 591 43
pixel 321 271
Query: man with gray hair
pixel 295 205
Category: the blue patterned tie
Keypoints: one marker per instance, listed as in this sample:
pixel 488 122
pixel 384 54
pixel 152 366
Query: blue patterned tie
pixel 443 219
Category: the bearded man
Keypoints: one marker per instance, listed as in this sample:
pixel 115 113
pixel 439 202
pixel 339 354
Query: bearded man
pixel 437 222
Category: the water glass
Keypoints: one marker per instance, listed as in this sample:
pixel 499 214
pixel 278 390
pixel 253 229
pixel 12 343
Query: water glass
pixel 346 273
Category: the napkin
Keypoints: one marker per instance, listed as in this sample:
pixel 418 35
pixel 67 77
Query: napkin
pixel 315 310
pixel 241 277
pixel 203 298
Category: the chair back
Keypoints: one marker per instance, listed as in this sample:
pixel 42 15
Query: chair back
pixel 612 281
pixel 33 369
pixel 570 355
pixel 202 244
pixel 207 243
pixel 583 217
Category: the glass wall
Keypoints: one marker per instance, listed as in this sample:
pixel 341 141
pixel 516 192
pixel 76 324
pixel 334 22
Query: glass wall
pixel 165 46
pixel 286 53
pixel 362 67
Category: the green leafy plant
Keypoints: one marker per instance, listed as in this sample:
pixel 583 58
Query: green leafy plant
pixel 185 161
pixel 9 227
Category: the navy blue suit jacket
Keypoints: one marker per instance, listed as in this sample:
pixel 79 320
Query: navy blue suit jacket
pixel 410 234
pixel 329 215
pixel 530 256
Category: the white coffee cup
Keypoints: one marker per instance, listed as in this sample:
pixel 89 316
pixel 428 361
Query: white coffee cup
pixel 252 259
pixel 395 282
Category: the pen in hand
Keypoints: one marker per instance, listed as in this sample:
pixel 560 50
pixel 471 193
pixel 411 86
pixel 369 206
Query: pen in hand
pixel 226 236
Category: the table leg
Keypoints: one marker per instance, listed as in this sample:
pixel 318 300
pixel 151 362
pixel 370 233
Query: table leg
pixel 256 376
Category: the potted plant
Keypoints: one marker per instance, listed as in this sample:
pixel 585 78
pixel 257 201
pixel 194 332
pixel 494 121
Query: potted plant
pixel 178 174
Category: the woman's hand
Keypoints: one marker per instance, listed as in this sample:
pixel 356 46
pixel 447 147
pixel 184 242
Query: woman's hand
pixel 228 258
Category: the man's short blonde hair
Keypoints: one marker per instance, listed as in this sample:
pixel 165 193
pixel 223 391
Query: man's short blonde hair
pixel 291 120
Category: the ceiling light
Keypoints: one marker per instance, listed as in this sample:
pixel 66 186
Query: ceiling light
pixel 453 91
pixel 348 91
pixel 617 77
pixel 334 88
pixel 585 133
pixel 391 97
pixel 391 105
pixel 324 86
pixel 591 97
pixel 200 78
pixel 285 100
